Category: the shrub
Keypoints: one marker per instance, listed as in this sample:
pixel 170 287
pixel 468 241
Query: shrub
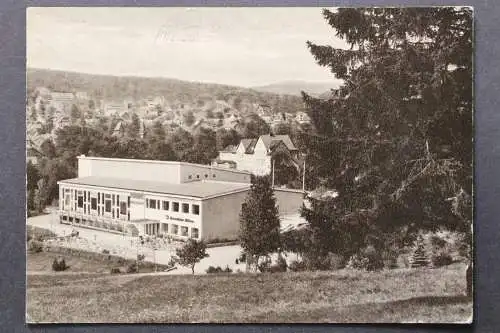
pixel 228 270
pixel 243 257
pixel 365 261
pixel 141 257
pixel 105 251
pixel 132 268
pixel 35 246
pixel 297 266
pixel 281 263
pixel 39 234
pixel 59 265
pixel 419 257
pixel 212 269
pixel 115 270
pixel 442 259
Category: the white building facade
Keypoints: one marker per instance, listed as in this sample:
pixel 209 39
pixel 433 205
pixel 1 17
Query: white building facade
pixel 174 199
pixel 255 155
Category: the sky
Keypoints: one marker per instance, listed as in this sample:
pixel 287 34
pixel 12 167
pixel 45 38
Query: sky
pixel 235 46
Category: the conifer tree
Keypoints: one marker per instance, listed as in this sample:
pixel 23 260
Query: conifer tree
pixel 396 141
pixel 259 221
pixel 419 257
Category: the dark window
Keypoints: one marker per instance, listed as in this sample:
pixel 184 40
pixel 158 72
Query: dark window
pixel 114 202
pixel 107 206
pixel 175 206
pixel 198 176
pixel 93 203
pixel 123 208
pixel 196 209
pixel 152 204
pixel 194 233
pixel 213 175
pixel 80 201
pixel 184 231
pixel 158 205
pixel 147 203
pixel 190 177
pixel 165 205
pixel 185 208
pixel 206 176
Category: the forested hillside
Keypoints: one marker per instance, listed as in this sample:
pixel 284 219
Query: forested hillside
pixel 109 87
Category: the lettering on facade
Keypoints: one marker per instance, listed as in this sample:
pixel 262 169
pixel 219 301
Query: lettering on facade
pixel 178 219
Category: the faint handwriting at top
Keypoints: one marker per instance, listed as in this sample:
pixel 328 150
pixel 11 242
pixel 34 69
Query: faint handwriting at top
pixel 166 34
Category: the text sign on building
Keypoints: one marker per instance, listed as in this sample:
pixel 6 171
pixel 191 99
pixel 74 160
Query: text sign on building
pixel 178 219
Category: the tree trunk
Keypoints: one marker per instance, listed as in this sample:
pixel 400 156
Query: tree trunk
pixel 192 269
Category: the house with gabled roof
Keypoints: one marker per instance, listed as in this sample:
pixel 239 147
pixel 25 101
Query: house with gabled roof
pixel 255 155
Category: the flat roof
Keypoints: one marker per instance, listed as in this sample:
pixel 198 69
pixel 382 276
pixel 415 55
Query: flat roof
pixel 197 189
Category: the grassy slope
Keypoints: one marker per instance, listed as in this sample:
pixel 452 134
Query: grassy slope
pixel 427 295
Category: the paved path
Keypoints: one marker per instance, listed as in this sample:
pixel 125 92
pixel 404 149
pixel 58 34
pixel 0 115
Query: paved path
pixel 129 247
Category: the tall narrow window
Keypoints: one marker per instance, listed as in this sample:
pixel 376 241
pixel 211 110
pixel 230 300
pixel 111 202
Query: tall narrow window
pixel 196 209
pixel 165 205
pixel 80 199
pixel 175 206
pixel 93 203
pixel 123 208
pixel 152 204
pixel 185 208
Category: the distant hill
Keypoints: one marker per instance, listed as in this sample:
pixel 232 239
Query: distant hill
pixel 109 87
pixel 295 87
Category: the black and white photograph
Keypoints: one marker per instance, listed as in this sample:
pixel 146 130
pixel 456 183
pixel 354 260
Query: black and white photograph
pixel 249 165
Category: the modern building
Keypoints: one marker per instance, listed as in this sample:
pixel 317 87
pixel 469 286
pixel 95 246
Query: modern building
pixel 255 155
pixel 175 199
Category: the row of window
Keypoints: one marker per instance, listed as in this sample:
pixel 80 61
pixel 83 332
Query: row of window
pixel 175 207
pixel 99 203
pixel 173 229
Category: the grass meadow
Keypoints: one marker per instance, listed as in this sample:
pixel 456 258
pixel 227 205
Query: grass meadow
pixel 394 296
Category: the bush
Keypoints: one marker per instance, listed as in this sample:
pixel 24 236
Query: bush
pixel 39 234
pixel 35 246
pixel 218 269
pixel 105 251
pixel 212 270
pixel 132 268
pixel 297 266
pixel 282 263
pixel 442 259
pixel 115 270
pixel 366 262
pixel 59 265
pixel 243 257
